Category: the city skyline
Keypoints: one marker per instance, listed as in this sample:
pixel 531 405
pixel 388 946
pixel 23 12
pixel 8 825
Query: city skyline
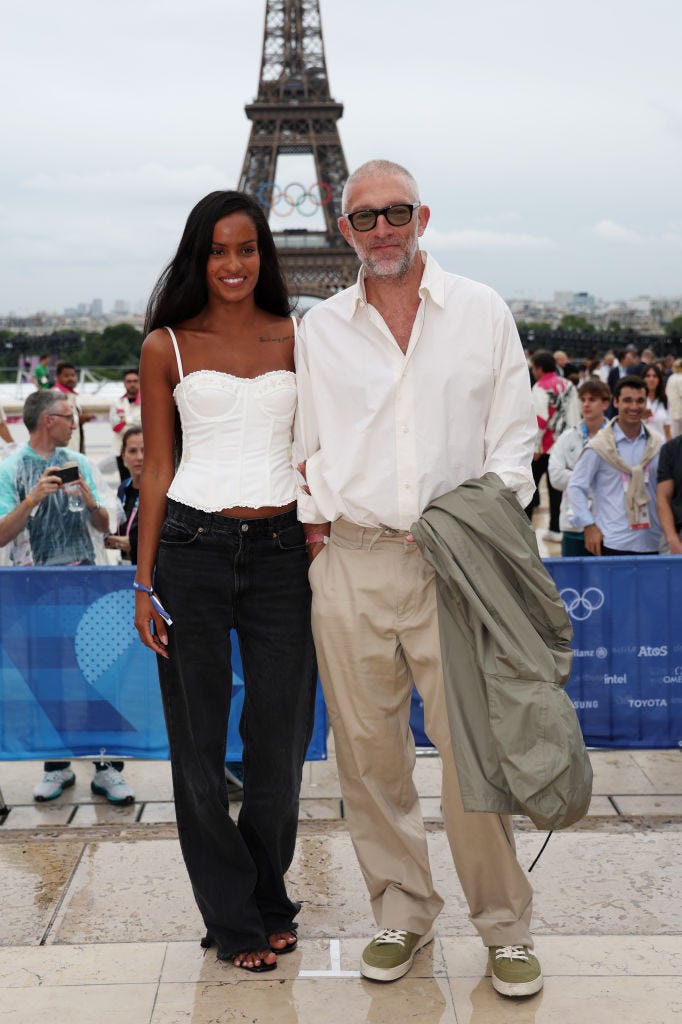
pixel 547 142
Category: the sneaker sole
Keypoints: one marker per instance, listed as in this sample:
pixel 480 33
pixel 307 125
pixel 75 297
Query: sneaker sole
pixel 393 973
pixel 103 792
pixel 64 785
pixel 517 988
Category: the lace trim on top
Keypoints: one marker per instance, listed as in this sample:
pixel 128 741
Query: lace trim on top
pixel 280 374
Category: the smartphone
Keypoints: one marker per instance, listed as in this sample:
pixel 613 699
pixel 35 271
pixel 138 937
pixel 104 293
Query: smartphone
pixel 67 474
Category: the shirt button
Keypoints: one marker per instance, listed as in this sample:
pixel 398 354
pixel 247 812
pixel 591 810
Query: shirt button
pixel 245 527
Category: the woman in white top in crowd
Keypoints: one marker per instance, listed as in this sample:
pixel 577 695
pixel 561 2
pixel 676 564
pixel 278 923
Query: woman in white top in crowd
pixel 656 402
pixel 673 392
pixel 220 548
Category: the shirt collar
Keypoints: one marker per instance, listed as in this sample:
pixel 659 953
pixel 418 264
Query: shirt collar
pixel 432 285
pixel 620 435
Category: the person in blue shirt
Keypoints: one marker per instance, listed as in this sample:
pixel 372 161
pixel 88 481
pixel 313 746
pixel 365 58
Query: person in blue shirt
pixel 48 522
pixel 618 470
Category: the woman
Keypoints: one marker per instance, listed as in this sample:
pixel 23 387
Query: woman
pixel 656 402
pixel 220 543
pixel 673 392
pixel 132 456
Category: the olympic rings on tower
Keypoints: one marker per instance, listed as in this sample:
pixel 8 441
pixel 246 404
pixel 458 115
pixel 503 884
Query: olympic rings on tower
pixel 283 201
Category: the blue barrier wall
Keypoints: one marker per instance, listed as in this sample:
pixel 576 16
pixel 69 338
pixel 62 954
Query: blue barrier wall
pixel 74 676
pixel 626 681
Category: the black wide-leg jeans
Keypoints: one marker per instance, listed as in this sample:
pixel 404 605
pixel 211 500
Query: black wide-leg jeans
pixel 215 574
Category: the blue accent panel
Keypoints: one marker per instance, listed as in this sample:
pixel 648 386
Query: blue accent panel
pixel 74 677
pixel 626 680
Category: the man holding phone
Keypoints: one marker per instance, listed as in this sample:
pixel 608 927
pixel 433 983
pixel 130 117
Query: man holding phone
pixel 34 504
pixel 48 503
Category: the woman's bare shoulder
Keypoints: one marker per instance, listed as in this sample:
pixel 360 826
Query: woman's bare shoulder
pixel 157 342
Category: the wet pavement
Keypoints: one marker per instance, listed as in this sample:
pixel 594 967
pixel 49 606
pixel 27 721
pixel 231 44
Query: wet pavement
pixel 99 924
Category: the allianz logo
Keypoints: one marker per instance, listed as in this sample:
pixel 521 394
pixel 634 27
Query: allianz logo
pixel 597 652
pixel 615 679
pixel 653 652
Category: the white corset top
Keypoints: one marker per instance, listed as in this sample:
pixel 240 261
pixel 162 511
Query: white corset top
pixel 236 439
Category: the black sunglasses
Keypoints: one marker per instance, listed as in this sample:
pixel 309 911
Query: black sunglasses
pixel 397 215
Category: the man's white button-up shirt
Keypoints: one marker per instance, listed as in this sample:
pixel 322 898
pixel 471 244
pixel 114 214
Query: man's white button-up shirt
pixel 383 433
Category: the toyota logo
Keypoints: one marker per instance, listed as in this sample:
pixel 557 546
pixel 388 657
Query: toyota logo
pixel 580 606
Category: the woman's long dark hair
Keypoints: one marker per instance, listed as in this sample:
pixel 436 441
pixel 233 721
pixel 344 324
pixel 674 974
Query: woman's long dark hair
pixel 181 291
pixel 660 387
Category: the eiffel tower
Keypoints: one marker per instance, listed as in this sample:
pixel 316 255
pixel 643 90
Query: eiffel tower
pixel 295 113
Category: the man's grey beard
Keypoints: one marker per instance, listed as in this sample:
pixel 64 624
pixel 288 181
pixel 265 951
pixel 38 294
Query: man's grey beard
pixel 377 269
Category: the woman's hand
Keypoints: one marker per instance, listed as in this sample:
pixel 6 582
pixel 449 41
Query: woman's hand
pixel 146 616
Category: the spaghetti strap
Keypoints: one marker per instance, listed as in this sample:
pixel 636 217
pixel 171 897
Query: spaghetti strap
pixel 177 351
pixel 295 323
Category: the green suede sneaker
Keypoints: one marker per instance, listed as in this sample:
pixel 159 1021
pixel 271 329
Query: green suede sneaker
pixel 390 953
pixel 515 971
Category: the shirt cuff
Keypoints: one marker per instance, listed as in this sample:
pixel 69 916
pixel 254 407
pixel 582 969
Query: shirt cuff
pixel 307 510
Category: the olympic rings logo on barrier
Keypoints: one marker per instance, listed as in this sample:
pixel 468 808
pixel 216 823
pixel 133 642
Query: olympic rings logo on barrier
pixel 581 606
pixel 295 196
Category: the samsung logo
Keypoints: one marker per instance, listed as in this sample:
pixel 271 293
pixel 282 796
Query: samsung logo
pixel 586 705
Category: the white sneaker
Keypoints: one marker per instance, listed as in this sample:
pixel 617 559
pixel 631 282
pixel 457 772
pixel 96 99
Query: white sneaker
pixel 552 535
pixel 52 784
pixel 110 783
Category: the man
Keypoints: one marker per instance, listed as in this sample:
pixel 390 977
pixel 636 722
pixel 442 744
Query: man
pixel 555 402
pixel 36 519
pixel 595 398
pixel 388 420
pixel 127 412
pixel 646 359
pixel 66 381
pixel 623 365
pixel 669 496
pixel 617 470
pixel 41 374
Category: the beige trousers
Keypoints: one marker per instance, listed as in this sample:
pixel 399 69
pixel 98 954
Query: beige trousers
pixel 376 631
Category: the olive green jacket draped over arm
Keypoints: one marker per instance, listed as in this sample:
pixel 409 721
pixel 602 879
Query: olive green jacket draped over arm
pixel 505 637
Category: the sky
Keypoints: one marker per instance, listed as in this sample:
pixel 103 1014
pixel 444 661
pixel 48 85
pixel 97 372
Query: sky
pixel 546 136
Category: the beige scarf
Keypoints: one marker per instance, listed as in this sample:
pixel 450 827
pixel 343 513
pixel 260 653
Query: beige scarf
pixel 636 496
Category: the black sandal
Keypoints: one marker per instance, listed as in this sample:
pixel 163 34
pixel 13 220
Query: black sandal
pixel 290 946
pixel 256 968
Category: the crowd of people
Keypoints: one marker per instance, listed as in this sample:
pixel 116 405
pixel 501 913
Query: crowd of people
pixel 285 467
pixel 607 439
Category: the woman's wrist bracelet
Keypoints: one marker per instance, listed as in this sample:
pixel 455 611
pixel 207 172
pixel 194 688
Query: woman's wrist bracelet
pixel 317 538
pixel 156 604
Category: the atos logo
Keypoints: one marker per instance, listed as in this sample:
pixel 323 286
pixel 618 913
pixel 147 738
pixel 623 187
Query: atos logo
pixel 653 652
pixel 580 606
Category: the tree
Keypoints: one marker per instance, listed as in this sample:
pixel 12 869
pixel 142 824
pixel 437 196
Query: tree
pixel 674 329
pixel 572 324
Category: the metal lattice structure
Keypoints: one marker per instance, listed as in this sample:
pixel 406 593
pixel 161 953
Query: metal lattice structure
pixel 295 113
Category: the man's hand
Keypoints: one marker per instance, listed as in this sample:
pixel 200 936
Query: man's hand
pixel 675 545
pixel 593 539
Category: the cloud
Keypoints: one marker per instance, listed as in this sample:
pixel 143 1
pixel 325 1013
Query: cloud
pixel 609 231
pixel 477 238
pixel 147 180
